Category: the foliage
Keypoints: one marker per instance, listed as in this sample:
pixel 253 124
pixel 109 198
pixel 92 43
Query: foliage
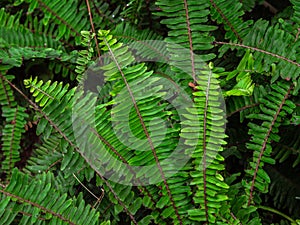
pixel 113 112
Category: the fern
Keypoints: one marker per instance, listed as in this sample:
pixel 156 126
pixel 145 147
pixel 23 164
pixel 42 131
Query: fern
pixel 129 103
pixel 231 18
pixel 274 40
pixel 275 106
pixel 42 202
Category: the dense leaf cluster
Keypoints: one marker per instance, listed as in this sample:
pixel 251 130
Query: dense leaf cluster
pixel 149 112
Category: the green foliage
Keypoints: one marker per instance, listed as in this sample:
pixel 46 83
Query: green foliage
pixel 113 112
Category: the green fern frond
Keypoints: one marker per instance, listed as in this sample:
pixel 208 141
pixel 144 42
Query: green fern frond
pixel 33 40
pixel 11 135
pixel 84 57
pixel 285 183
pixel 49 95
pixel 70 21
pixel 244 85
pixel 223 12
pixel 188 29
pixel 139 13
pixel 274 107
pixel 271 39
pixel 248 5
pixel 58 116
pixel 148 45
pixel 40 201
pixel 296 14
pixel 45 157
pixel 15 56
pixel 205 132
pixel 6 94
pixel 15 34
pixel 144 94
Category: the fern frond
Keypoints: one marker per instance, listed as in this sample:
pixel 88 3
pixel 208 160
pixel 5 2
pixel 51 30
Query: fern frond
pixel 42 202
pixel 45 157
pixel 48 95
pixel 84 57
pixel 15 56
pixel 13 33
pixel 70 21
pixel 139 13
pixel 205 134
pixel 57 114
pixel 148 45
pixel 274 107
pixel 274 40
pixel 6 94
pixel 186 20
pixel 296 14
pixel 286 183
pixel 103 16
pixel 11 135
pixel 144 93
pixel 245 105
pixel 223 12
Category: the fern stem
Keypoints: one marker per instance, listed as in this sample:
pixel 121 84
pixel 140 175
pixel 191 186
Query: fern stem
pixel 258 50
pixel 267 208
pixel 84 186
pixel 93 28
pixel 190 40
pixel 205 147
